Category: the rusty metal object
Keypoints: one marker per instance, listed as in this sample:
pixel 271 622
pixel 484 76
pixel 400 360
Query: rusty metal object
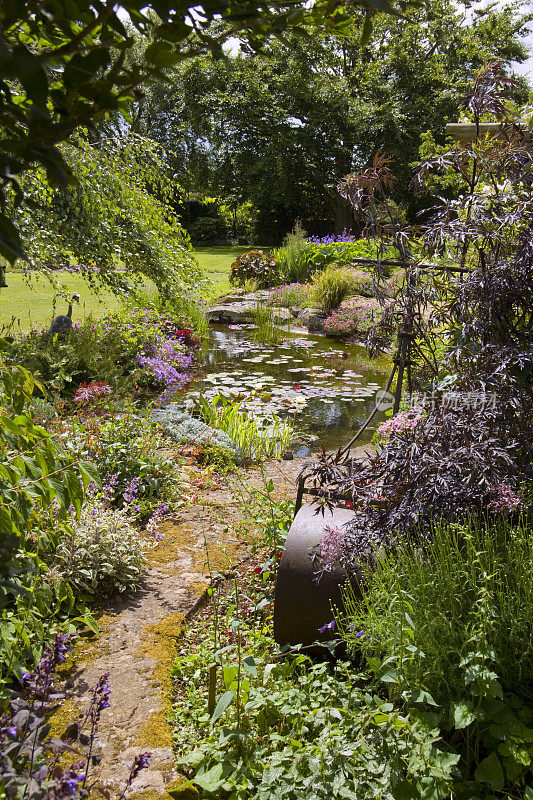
pixel 301 604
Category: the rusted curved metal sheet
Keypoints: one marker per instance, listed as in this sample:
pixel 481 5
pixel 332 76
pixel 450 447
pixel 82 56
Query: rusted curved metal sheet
pixel 301 604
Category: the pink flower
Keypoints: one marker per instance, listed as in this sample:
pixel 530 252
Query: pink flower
pixel 91 391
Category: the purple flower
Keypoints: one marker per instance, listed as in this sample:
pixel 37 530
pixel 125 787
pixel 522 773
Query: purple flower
pixel 329 626
pixel 13 732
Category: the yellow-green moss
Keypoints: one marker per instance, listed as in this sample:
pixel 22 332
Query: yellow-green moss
pixel 176 539
pixel 159 643
pixel 182 789
pixel 156 731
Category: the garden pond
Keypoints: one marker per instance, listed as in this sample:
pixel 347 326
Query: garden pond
pixel 324 387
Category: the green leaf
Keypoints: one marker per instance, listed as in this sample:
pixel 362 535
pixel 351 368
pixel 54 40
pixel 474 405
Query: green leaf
pixel 463 715
pixel 193 759
pixel 222 705
pixel 211 780
pixel 421 696
pixel 390 676
pixel 249 665
pixel 162 54
pixel 490 771
pixel 229 674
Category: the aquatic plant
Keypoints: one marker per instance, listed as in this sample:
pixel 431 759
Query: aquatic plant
pixel 266 330
pixel 256 437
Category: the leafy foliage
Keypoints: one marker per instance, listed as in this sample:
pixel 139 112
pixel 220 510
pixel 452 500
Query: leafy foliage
pixel 465 325
pixel 103 554
pixel 277 130
pixel 63 66
pixel 117 214
pixel 450 626
pixel 40 482
pixel 255 265
pixel 137 348
pixel 129 449
pixel 255 438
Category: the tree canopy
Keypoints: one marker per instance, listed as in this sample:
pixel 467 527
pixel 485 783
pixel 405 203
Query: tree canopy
pixel 64 64
pixel 279 130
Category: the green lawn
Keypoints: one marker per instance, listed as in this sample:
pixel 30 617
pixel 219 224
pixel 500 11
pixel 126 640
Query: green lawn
pixel 30 302
pixel 216 262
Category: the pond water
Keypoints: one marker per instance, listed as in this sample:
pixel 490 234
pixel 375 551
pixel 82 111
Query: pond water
pixel 324 387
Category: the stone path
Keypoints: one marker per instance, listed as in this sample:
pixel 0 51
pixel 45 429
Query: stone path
pixel 139 632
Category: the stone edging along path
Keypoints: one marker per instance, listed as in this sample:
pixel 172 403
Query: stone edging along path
pixel 139 632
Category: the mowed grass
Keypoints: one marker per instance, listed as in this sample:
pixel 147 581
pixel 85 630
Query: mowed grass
pixel 26 302
pixel 30 301
pixel 216 263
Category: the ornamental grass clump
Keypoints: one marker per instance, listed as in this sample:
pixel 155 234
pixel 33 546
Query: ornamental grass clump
pixel 333 285
pixel 256 438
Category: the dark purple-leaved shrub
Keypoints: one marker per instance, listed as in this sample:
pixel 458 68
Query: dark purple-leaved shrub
pixel 465 330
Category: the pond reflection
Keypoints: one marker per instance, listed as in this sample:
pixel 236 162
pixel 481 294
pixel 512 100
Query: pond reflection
pixel 324 387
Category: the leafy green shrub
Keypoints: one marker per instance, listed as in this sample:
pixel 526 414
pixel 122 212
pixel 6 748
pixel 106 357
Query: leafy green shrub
pixel 208 229
pixel 254 265
pixel 333 285
pixel 452 622
pixel 102 555
pixel 293 256
pixel 300 258
pixel 127 448
pixel 310 732
pixel 122 349
pixel 222 459
pixel 39 481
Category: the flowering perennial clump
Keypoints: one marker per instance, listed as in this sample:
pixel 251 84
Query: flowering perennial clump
pixel 88 392
pixel 290 294
pixel 404 421
pixel 503 499
pixel 353 318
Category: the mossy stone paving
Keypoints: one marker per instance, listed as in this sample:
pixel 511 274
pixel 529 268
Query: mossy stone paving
pixel 139 632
